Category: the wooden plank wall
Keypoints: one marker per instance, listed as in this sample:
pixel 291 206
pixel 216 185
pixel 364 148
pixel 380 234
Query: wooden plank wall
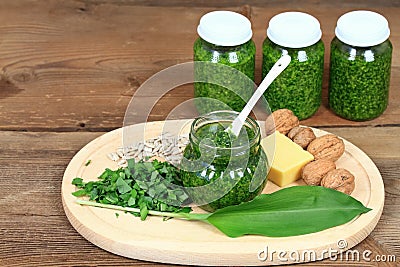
pixel 74 65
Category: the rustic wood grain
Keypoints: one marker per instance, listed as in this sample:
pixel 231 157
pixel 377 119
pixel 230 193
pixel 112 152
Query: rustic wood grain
pixel 258 3
pixel 74 65
pixel 34 230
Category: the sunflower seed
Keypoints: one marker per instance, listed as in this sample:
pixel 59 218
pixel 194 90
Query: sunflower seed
pixel 148 149
pixel 120 153
pixel 165 146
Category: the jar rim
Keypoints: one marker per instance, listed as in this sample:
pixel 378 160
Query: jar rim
pixel 214 118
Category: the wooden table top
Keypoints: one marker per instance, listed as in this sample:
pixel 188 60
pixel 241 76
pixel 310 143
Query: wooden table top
pixel 68 71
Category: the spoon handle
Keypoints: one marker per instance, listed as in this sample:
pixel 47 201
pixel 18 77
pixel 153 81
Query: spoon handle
pixel 278 67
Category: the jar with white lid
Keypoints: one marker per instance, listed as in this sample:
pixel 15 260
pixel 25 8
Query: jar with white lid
pixel 299 87
pixel 360 64
pixel 224 38
pixel 237 171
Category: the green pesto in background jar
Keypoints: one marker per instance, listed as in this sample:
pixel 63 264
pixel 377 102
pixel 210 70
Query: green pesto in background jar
pixel 360 64
pixel 238 168
pixel 225 38
pixel 299 87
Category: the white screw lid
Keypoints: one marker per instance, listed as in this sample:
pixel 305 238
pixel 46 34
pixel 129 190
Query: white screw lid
pixel 294 30
pixel 362 28
pixel 225 28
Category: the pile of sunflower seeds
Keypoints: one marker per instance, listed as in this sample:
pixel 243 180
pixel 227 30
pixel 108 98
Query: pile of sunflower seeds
pixel 165 146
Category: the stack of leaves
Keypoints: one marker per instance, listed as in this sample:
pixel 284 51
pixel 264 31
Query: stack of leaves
pixel 143 185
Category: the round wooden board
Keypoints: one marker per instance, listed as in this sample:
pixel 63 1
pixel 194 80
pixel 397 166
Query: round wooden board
pixel 196 243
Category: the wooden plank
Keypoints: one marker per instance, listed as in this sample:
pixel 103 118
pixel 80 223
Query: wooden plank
pixel 377 142
pixel 64 247
pixel 258 3
pixel 68 67
pixel 35 231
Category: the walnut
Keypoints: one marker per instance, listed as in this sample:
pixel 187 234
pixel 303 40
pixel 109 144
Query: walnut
pixel 284 120
pixel 295 130
pixel 326 147
pixel 302 136
pixel 340 179
pixel 314 171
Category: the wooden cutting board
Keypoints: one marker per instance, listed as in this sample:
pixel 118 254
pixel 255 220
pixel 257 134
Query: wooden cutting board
pixel 196 243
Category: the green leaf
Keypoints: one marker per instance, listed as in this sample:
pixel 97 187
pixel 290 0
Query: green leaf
pixel 112 198
pixel 93 194
pixel 133 193
pixel 131 201
pixel 154 175
pixel 107 172
pixel 122 186
pixel 292 211
pixel 131 163
pixel 125 197
pixel 78 182
pixel 79 193
pixel 143 212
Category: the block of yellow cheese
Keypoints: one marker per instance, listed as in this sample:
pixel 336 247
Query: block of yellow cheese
pixel 287 158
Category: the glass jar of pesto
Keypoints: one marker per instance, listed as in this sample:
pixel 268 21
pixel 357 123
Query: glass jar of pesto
pixel 225 38
pixel 221 169
pixel 299 87
pixel 360 64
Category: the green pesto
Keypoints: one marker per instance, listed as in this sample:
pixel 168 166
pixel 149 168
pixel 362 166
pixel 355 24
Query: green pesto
pixel 222 139
pixel 235 92
pixel 241 176
pixel 299 86
pixel 359 80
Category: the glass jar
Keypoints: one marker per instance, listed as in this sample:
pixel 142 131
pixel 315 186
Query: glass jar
pixel 222 170
pixel 361 56
pixel 299 86
pixel 225 38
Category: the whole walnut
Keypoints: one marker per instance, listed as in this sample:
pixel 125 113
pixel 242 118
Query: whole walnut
pixel 302 136
pixel 328 146
pixel 313 172
pixel 281 120
pixel 340 179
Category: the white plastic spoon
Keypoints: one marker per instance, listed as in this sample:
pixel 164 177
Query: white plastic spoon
pixel 278 67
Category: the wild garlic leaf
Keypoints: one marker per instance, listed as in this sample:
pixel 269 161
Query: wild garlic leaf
pixel 291 211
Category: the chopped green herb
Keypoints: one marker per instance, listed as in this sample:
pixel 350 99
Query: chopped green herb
pixel 299 86
pixel 209 96
pixel 142 185
pixel 116 214
pixel 359 80
pixel 88 162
